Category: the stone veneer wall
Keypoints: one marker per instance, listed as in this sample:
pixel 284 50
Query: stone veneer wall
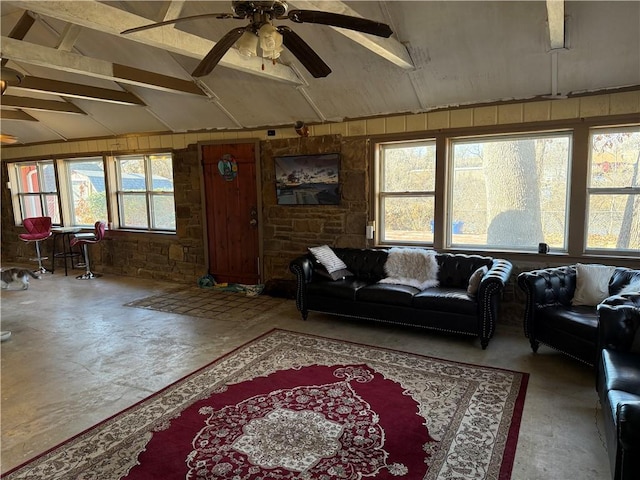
pixel 289 229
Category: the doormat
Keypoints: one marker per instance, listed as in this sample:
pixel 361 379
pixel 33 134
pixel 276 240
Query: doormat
pixel 294 406
pixel 208 303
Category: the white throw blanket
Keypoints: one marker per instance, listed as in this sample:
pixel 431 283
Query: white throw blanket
pixel 411 266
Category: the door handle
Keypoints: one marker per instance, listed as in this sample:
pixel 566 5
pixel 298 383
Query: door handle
pixel 253 222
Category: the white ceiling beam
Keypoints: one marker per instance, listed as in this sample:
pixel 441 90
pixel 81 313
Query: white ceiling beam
pixel 75 90
pixel 107 19
pixel 555 20
pixel 32 54
pixel 388 48
pixel 69 37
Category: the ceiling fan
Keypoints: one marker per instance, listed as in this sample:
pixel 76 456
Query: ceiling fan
pixel 261 30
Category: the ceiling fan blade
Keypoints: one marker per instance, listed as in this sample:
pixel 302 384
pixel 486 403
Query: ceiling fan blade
pixel 304 53
pixel 178 20
pixel 217 52
pixel 343 21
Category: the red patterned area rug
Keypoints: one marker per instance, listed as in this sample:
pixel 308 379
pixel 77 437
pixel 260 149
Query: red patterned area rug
pixel 293 406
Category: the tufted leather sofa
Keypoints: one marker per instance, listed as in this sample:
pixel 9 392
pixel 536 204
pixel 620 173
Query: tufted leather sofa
pixel 550 318
pixel 447 308
pixel 618 382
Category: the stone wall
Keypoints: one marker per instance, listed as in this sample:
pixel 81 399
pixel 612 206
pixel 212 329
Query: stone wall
pixel 289 229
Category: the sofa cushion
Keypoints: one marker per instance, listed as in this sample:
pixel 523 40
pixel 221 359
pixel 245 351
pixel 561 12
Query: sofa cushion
pixel 621 371
pixel 443 299
pixel 580 321
pixel 344 289
pixel 387 293
pixel 592 284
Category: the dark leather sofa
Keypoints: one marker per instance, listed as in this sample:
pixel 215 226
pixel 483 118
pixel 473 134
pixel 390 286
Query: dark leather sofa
pixel 552 320
pixel 446 308
pixel 618 382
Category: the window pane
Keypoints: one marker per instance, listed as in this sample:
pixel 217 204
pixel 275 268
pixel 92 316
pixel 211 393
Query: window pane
pixel 88 191
pixel 510 192
pixel 134 210
pixel 614 222
pixel 132 176
pixel 164 217
pixel 28 178
pixel 407 219
pixel 614 158
pixel 162 172
pixel 48 177
pixel 409 168
pixel 52 208
pixel 31 206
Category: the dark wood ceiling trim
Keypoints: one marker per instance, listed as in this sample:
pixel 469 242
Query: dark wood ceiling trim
pixel 74 90
pixel 38 104
pixel 16 115
pixel 145 78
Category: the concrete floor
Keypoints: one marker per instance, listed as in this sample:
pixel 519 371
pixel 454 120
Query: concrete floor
pixel 78 355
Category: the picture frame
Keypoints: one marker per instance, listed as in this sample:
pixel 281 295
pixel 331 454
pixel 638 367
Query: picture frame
pixel 308 179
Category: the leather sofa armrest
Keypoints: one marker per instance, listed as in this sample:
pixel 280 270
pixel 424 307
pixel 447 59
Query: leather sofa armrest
pixel 618 322
pixel 302 267
pixel 498 274
pixel 629 425
pixel 545 287
pixel 489 294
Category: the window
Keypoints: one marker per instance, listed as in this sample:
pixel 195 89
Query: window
pixel 37 195
pixel 406 192
pixel 145 192
pixel 86 186
pixel 510 192
pixel 613 210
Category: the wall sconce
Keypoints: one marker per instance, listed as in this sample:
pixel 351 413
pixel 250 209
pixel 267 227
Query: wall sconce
pixel 9 78
pixel 301 128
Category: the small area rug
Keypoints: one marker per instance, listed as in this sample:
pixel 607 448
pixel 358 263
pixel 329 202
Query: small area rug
pixel 208 303
pixel 294 406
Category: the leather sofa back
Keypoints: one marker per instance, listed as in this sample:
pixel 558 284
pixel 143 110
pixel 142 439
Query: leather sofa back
pixel 456 268
pixel 364 263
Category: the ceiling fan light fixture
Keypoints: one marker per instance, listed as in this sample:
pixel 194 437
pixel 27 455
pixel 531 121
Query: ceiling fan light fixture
pixel 248 44
pixel 270 41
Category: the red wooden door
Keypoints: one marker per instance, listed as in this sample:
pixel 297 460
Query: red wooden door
pixel 232 212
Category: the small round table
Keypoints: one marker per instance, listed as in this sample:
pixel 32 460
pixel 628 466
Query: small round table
pixel 67 252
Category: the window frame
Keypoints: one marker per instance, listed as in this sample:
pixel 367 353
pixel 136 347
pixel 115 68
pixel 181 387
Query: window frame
pixel 381 196
pixel 577 178
pixel 604 191
pixel 149 193
pixel 19 197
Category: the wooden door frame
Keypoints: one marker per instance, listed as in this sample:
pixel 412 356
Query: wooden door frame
pixel 203 200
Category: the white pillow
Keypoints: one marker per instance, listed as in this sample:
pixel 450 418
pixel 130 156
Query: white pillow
pixel 633 287
pixel 327 258
pixel 475 279
pixel 592 284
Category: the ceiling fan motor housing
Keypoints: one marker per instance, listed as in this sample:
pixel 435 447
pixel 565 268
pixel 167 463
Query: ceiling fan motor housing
pixel 246 9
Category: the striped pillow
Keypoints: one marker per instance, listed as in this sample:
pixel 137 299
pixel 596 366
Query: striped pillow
pixel 327 258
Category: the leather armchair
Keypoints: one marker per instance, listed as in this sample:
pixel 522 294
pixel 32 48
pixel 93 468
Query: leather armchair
pixel 618 382
pixel 552 320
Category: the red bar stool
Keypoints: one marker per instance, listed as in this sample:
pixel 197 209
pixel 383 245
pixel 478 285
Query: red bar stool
pixel 38 229
pixel 84 239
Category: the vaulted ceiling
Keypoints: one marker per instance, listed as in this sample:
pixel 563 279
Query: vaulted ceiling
pixel 84 79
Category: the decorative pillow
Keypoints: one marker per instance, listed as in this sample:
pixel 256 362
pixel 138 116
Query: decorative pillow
pixel 475 279
pixel 592 284
pixel 327 258
pixel 633 287
pixel 337 275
